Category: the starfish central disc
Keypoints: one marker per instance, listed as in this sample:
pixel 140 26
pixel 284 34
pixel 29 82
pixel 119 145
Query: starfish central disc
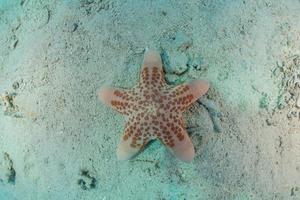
pixel 151 109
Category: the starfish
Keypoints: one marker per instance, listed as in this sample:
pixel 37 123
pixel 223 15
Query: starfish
pixel 154 110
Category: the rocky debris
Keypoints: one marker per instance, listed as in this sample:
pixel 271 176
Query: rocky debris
pixel 16 85
pixel 14 42
pixel 294 190
pixel 178 59
pixel 7 171
pixel 298 102
pixel 75 26
pixel 22 2
pixel 174 62
pixel 92 6
pixel 174 53
pixel 288 72
pixel 173 79
pixel 196 62
pixel 71 25
pixel 87 181
pixel 9 107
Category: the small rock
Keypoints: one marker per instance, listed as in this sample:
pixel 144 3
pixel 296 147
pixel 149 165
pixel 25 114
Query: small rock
pixel 103 6
pixel 16 85
pixel 178 63
pixel 294 190
pixel 14 43
pixel 195 62
pixel 264 101
pixel 75 26
pixel 175 62
pixel 87 181
pixel 281 104
pixel 298 102
pixel 269 122
pixel 7 171
pixel 9 106
pixel 164 13
pixel 291 114
pixel 22 2
pixel 173 79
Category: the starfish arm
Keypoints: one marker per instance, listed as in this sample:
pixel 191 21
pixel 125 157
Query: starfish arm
pixel 119 99
pixel 131 142
pixel 152 72
pixel 184 149
pixel 186 94
pixel 178 142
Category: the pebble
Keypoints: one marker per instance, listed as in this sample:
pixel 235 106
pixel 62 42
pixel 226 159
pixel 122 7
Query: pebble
pixel 173 79
pixel 195 62
pixel 14 42
pixel 178 63
pixel 298 102
pixel 16 85
pixel 75 26
pixel 175 62
pixel 269 122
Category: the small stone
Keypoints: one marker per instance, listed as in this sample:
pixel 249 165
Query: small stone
pixel 16 85
pixel 176 65
pixel 87 181
pixel 269 122
pixel 9 107
pixel 298 102
pixel 22 2
pixel 75 26
pixel 14 43
pixel 7 167
pixel 173 79
pixel 291 114
pixel 104 6
pixel 264 101
pixel 195 62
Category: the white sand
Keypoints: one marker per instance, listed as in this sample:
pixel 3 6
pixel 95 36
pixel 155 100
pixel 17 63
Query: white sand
pixel 61 140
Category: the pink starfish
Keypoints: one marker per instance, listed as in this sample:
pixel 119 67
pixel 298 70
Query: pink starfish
pixel 154 110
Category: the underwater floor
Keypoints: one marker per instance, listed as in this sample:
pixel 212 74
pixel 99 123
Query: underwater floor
pixel 58 141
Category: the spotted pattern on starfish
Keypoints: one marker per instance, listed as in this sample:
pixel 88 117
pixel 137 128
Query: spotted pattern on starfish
pixel 154 110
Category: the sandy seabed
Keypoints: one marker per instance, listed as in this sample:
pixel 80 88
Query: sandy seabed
pixel 57 141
